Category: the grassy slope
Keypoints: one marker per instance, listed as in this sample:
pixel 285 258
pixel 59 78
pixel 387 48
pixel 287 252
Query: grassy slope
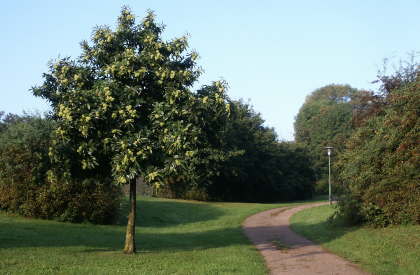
pixel 174 237
pixel 393 250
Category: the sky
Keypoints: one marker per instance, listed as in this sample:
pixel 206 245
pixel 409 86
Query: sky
pixel 272 53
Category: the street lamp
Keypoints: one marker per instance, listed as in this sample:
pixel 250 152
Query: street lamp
pixel 329 149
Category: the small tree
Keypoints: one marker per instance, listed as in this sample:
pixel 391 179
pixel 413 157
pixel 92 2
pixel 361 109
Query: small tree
pixel 125 108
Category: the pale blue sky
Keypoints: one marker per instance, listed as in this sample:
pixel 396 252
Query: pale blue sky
pixel 272 52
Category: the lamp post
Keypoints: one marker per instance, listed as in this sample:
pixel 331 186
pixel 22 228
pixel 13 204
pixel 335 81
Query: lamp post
pixel 329 149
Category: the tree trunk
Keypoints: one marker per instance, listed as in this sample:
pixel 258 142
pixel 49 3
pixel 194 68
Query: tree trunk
pixel 130 234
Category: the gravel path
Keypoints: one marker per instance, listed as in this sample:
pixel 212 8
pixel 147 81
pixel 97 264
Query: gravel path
pixel 286 252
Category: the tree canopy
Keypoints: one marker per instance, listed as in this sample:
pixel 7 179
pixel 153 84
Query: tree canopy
pixel 325 119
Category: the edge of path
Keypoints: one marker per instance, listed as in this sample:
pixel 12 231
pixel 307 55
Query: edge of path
pixel 286 252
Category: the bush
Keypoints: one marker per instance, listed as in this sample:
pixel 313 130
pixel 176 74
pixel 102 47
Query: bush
pixel 90 200
pixel 348 209
pixel 181 191
pixel 380 166
pixel 26 189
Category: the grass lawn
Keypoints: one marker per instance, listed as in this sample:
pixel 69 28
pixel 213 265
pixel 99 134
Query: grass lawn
pixel 173 237
pixel 393 250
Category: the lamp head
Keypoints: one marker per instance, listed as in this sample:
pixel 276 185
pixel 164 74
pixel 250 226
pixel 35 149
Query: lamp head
pixel 329 149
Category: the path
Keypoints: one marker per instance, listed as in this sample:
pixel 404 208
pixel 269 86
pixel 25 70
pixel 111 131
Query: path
pixel 286 252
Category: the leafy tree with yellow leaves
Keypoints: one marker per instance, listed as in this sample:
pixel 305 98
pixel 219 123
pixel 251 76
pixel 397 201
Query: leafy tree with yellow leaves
pixel 125 109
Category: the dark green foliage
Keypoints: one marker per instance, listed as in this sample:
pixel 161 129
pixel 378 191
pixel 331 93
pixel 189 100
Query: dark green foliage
pixel 380 168
pixel 23 151
pixel 325 119
pixel 2 125
pixel 10 119
pixel 260 169
pixel 26 189
pixel 249 176
pixel 348 209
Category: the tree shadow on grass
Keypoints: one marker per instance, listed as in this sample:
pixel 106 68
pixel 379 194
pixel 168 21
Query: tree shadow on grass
pixel 89 238
pixel 151 213
pixel 19 233
pixel 157 230
pixel 164 213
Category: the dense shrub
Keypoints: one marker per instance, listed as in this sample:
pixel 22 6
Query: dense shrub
pixel 26 189
pixel 380 168
pixel 348 209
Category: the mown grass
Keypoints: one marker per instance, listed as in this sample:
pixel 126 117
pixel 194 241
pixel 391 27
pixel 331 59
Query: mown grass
pixel 173 237
pixel 393 250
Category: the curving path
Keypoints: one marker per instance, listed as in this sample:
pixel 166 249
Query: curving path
pixel 286 252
